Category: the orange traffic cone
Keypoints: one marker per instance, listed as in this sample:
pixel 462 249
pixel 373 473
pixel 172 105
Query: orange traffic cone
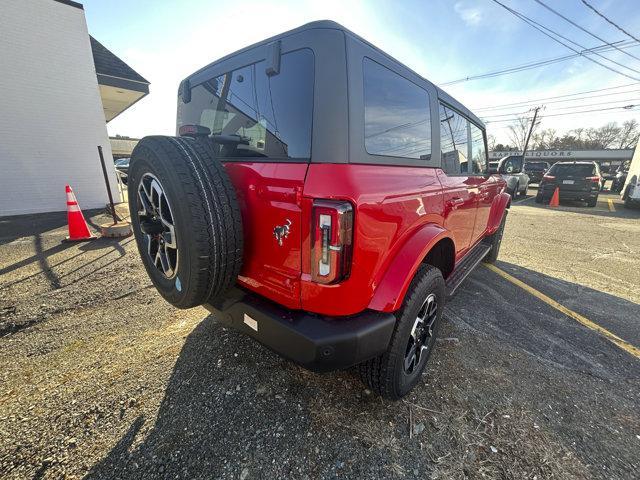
pixel 555 199
pixel 78 228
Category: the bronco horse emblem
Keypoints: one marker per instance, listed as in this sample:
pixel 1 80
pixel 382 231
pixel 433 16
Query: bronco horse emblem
pixel 280 232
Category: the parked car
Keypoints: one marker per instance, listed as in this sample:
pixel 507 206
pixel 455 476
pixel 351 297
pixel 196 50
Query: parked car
pixel 620 177
pixel 512 171
pixel 631 189
pixel 577 181
pixel 122 167
pixel 536 170
pixel 304 205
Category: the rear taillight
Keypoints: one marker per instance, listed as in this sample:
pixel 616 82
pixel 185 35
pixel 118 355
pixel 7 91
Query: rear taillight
pixel 331 240
pixel 549 177
pixel 594 179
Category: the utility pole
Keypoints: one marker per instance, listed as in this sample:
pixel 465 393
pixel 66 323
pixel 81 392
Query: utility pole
pixel 526 142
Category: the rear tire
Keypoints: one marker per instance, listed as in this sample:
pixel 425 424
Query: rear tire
pixel 592 202
pixel 197 213
pixel 391 375
pixel 496 241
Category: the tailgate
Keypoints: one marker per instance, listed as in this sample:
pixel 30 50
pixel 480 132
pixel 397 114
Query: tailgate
pixel 269 195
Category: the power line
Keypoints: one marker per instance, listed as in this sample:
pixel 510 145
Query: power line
pixel 490 114
pixel 610 21
pixel 573 42
pixel 534 102
pixel 563 96
pixel 625 107
pixel 539 63
pixel 540 2
pixel 519 114
pixel 533 23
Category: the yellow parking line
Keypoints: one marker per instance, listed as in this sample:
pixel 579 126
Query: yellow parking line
pixel 612 208
pixel 626 346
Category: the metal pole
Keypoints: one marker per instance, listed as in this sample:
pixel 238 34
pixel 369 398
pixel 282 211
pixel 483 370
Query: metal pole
pixel 526 143
pixel 106 182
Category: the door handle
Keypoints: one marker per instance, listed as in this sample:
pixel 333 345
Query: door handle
pixel 455 202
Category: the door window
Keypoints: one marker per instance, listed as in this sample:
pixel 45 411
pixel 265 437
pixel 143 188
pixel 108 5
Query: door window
pixel 397 120
pixel 454 141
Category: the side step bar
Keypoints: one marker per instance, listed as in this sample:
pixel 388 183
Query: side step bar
pixel 465 267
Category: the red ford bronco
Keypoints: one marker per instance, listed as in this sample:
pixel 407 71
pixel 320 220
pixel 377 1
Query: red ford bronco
pixel 322 198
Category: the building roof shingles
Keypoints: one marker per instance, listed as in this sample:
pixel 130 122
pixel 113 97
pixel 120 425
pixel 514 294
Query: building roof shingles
pixel 108 64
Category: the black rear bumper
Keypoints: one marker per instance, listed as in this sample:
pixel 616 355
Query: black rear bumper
pixel 316 342
pixel 570 195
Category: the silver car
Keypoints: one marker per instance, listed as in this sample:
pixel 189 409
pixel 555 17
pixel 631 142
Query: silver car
pixel 511 169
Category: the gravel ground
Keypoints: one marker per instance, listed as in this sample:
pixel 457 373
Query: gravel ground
pixel 103 379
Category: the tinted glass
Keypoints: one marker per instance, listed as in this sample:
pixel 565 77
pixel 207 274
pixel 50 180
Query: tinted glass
pixel 536 166
pixel 397 122
pixel 478 150
pixel 574 170
pixel 512 165
pixel 269 115
pixel 454 141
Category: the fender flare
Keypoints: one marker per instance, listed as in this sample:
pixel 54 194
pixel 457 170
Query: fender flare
pixel 498 206
pixel 390 291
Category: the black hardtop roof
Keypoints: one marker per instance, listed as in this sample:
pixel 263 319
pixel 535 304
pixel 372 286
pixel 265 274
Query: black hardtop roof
pixel 330 24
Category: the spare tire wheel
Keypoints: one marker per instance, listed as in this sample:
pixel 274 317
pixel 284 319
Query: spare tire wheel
pixel 186 219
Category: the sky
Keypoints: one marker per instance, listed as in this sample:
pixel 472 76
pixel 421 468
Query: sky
pixel 442 40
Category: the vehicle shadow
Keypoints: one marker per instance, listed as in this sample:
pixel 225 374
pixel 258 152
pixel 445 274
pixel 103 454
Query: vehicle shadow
pixel 229 402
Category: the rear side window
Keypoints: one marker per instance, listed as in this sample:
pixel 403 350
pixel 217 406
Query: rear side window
pixel 575 170
pixel 478 150
pixel 462 146
pixel 397 120
pixel 261 116
pixel 454 141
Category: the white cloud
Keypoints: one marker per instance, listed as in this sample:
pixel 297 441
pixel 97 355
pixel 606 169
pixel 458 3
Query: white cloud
pixel 472 16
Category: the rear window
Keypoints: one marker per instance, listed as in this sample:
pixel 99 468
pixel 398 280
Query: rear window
pixel 270 116
pixel 397 121
pixel 576 170
pixel 535 166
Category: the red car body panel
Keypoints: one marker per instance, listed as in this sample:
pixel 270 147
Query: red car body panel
pixel 390 293
pixel 399 214
pixel 269 194
pixel 391 203
pixel 498 206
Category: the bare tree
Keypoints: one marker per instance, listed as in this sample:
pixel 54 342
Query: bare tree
pixel 545 139
pixel 629 134
pixel 604 136
pixel 518 132
pixel 491 142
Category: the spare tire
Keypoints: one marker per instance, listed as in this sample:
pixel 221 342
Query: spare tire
pixel 186 219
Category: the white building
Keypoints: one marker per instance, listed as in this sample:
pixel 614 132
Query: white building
pixel 58 88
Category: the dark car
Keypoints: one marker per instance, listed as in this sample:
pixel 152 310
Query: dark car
pixel 577 181
pixel 122 167
pixel 620 177
pixel 536 170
